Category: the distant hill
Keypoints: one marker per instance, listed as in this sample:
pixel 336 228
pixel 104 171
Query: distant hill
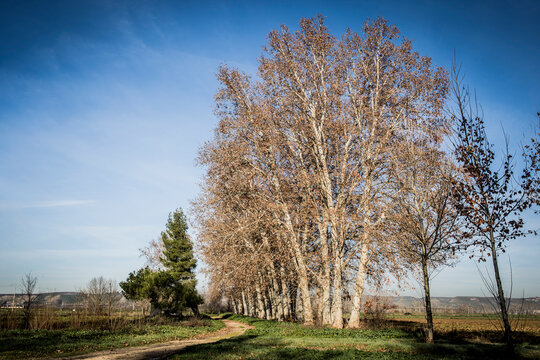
pixel 454 305
pixel 457 304
pixel 463 304
pixel 55 299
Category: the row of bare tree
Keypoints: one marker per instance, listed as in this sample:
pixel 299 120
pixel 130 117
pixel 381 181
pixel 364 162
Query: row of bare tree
pixel 327 172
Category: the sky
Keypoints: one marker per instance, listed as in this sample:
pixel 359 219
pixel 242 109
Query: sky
pixel 104 105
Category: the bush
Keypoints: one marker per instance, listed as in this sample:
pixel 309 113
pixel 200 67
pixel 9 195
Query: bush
pixel 376 310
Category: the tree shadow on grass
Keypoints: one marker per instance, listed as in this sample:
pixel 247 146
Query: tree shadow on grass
pixel 253 345
pixel 475 345
pixel 465 351
pixel 250 347
pixel 256 347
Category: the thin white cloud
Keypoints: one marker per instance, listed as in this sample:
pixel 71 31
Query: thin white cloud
pixel 48 204
pixel 64 254
pixel 59 203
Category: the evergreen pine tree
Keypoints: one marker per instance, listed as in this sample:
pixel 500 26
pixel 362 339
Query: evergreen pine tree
pixel 171 289
pixel 178 249
pixel 179 264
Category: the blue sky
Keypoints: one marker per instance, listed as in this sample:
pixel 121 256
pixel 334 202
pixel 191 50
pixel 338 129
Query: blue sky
pixel 103 105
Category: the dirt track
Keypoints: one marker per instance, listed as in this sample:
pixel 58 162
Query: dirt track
pixel 162 350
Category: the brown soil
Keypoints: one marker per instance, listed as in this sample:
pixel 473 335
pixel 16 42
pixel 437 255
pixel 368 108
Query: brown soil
pixel 162 350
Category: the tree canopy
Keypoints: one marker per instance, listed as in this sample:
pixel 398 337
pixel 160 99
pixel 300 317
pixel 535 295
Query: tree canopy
pixel 301 171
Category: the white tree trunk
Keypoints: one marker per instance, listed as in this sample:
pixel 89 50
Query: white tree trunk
pixel 251 306
pixel 277 301
pixel 354 321
pixel 260 305
pixel 245 310
pixel 286 295
pixel 337 300
pixel 325 276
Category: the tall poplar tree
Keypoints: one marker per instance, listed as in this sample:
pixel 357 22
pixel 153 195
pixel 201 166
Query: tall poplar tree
pixel 299 171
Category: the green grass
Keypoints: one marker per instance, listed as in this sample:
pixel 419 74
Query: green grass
pixel 278 340
pixel 19 344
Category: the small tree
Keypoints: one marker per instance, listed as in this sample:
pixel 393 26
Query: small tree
pixel 180 265
pixel 29 283
pixel 170 286
pixel 112 299
pixel 177 248
pixel 427 226
pixel 100 296
pixel 488 197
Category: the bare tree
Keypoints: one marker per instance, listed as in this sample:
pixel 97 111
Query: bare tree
pixel 426 225
pixel 298 176
pixel 153 253
pixel 112 299
pixel 531 173
pixel 387 102
pixel 488 198
pixel 28 284
pixel 100 296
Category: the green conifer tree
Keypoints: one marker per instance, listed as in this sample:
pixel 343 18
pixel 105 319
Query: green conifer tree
pixel 171 289
pixel 178 249
pixel 180 264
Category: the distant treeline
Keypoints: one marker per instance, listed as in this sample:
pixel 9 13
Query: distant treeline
pixel 58 300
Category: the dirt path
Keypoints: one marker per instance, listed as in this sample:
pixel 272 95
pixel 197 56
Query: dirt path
pixel 160 351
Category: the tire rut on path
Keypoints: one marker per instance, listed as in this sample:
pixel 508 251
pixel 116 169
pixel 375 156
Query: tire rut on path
pixel 162 350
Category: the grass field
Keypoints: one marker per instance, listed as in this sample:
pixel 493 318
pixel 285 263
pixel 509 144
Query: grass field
pixel 401 339
pixel 398 337
pixel 20 344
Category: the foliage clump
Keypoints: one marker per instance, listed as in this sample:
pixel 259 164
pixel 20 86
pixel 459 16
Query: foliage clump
pixel 171 287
